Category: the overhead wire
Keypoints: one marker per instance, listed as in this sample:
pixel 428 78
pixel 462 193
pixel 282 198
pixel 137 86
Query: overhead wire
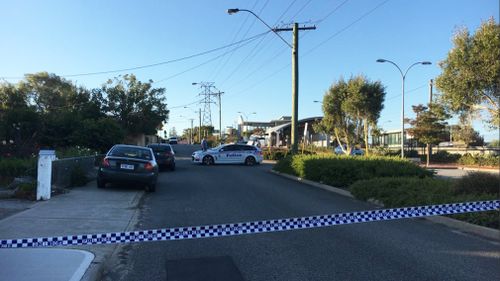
pixel 323 42
pixel 221 65
pixel 253 53
pixel 345 28
pixel 248 30
pixel 210 60
pixel 156 64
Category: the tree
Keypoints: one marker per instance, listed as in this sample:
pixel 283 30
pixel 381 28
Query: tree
pixel 350 109
pixel 464 132
pixel 138 107
pixel 19 122
pixel 471 73
pixel 428 125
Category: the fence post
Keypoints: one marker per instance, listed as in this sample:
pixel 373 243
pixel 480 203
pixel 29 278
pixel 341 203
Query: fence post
pixel 44 181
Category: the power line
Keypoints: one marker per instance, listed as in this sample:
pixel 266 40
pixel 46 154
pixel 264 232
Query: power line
pixel 332 12
pixel 345 28
pixel 300 10
pixel 314 48
pixel 253 53
pixel 156 64
pixel 210 60
pixel 220 64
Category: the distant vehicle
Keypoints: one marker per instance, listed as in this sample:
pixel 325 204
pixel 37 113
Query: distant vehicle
pixel 354 151
pixel 164 154
pixel 229 154
pixel 172 140
pixel 128 163
pixel 445 144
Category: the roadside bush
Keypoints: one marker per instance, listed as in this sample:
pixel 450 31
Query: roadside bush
pixel 480 160
pixel 412 191
pixel 443 156
pixel 275 153
pixel 341 170
pixel 75 151
pixel 16 167
pixel 403 191
pixel 285 166
pixel 478 183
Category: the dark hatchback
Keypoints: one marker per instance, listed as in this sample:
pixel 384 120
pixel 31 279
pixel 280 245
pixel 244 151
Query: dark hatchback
pixel 128 163
pixel 164 154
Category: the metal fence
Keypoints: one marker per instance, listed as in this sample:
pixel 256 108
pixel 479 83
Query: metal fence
pixel 63 169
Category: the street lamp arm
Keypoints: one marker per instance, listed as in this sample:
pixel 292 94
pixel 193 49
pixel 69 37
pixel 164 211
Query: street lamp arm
pixel 233 11
pixel 400 71
pixel 408 69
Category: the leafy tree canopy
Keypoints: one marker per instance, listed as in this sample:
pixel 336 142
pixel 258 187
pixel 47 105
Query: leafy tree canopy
pixel 471 72
pixel 137 106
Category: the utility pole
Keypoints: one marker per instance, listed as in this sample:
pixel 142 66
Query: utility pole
pixel 220 114
pixel 429 146
pixel 199 128
pixel 191 132
pixel 430 91
pixel 295 80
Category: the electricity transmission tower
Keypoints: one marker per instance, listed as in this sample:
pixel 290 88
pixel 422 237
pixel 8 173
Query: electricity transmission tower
pixel 207 100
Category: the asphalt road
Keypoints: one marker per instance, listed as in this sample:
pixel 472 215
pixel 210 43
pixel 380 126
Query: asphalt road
pixel 199 195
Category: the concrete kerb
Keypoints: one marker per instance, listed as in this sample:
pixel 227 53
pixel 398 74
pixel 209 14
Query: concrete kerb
pixel 449 222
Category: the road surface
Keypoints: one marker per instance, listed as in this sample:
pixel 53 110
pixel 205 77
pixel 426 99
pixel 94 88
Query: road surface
pixel 198 195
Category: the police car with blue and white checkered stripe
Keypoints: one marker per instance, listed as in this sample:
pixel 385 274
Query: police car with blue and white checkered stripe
pixel 229 154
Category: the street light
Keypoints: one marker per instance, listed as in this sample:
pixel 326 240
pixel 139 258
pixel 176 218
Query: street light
pixel 317 101
pixel 403 76
pixel 295 68
pixel 246 116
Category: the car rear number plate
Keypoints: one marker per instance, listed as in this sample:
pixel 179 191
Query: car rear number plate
pixel 127 166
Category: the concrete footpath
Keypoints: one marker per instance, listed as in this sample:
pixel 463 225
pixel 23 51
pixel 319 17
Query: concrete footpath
pixel 84 210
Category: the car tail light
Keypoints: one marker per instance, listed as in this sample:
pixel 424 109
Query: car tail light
pixel 105 162
pixel 148 166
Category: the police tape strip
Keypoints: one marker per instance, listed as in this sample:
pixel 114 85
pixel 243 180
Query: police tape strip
pixel 232 229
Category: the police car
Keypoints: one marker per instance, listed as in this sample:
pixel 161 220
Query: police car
pixel 229 154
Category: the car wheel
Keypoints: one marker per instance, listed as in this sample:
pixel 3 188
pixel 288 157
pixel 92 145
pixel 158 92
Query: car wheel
pixel 250 161
pixel 172 167
pixel 208 160
pixel 101 183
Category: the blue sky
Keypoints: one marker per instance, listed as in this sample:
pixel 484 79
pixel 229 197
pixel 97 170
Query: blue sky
pixel 74 37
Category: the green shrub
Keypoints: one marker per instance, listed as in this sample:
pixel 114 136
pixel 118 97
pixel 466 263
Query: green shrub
pixel 285 166
pixel 479 160
pixel 405 191
pixel 274 153
pixel 75 151
pixel 16 167
pixel 478 183
pixel 341 171
pixel 443 156
pixel 78 176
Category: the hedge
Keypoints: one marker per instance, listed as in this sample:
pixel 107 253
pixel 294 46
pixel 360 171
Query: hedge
pixel 413 191
pixel 341 170
pixel 480 160
pixel 16 167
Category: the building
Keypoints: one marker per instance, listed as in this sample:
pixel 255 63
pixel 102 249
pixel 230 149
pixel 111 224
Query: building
pixel 280 135
pixel 249 126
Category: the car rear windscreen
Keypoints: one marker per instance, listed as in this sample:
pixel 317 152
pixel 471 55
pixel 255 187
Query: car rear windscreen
pixel 161 148
pixel 131 152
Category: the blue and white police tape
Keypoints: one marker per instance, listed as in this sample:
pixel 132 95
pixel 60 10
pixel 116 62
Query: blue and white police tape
pixel 232 229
